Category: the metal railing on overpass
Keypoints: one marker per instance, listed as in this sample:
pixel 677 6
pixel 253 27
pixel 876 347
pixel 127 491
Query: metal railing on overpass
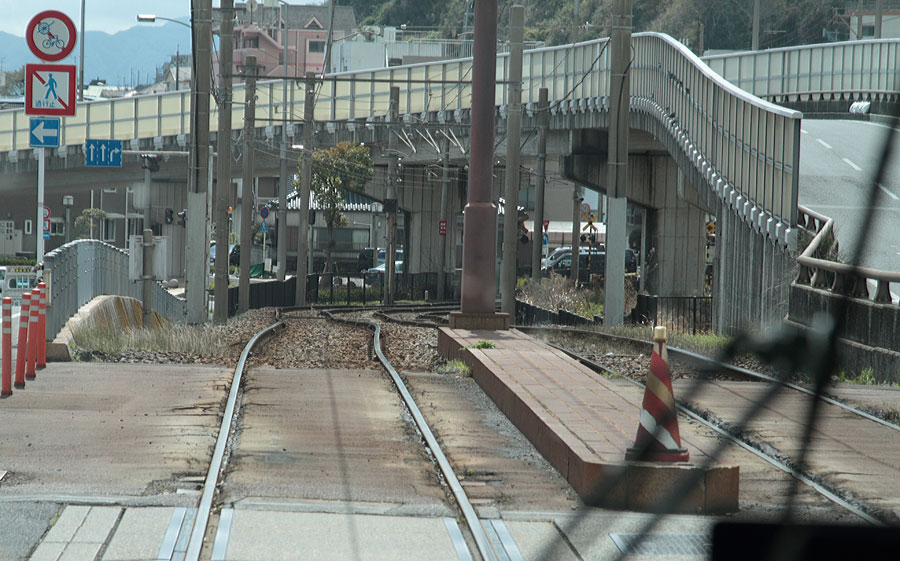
pixel 744 144
pixel 861 69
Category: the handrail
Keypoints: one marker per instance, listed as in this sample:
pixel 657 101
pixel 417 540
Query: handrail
pixel 844 278
pixel 849 67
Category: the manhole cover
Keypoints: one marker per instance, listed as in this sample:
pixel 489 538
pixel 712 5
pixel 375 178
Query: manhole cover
pixel 663 544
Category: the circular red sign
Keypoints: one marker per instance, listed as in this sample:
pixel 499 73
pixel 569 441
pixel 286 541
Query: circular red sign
pixel 51 35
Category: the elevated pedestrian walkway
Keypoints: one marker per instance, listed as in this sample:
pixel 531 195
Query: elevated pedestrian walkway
pixel 582 423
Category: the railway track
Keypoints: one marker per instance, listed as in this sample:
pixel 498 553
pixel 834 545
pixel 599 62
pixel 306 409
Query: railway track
pixel 481 533
pixel 491 539
pixel 703 367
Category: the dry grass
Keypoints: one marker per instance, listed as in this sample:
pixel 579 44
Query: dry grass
pixel 194 340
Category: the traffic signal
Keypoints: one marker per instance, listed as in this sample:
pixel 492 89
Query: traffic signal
pixel 583 238
pixel 182 217
pixel 170 216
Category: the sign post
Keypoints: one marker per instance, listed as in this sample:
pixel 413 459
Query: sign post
pixel 49 90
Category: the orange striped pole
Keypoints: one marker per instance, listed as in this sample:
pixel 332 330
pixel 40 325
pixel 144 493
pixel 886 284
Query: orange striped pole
pixel 30 373
pixel 42 327
pixel 22 345
pixel 658 438
pixel 6 385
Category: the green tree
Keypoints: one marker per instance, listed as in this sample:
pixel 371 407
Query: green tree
pixel 336 171
pixel 84 224
pixel 15 83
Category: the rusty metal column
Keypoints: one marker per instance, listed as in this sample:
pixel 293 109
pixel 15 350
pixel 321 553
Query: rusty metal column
pixel 480 223
pixel 617 183
pixel 391 209
pixel 305 181
pixel 223 169
pixel 513 157
pixel 246 186
pixel 541 181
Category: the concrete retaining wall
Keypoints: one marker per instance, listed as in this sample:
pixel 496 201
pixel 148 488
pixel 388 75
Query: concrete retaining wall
pixel 870 331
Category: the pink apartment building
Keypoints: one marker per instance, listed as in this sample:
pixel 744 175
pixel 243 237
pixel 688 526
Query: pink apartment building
pixel 260 30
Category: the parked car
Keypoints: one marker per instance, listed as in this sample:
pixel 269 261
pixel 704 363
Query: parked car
pixel 563 266
pixel 234 252
pixel 375 275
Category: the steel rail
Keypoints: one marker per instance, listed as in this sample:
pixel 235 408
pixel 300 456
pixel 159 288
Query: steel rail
pixel 818 487
pixel 198 528
pixel 472 521
pixel 729 368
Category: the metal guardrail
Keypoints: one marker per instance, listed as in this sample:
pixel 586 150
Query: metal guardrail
pixel 83 269
pixel 748 146
pixel 836 277
pixel 863 68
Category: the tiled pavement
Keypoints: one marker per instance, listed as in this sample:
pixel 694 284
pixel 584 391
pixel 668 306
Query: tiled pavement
pixel 580 421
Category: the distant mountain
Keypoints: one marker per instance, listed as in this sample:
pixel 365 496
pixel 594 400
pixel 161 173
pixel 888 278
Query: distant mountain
pixel 132 54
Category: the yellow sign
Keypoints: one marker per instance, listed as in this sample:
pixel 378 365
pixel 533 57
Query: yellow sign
pixel 590 226
pixel 522 220
pixel 710 228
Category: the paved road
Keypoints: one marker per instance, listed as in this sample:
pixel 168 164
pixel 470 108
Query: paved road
pixel 838 161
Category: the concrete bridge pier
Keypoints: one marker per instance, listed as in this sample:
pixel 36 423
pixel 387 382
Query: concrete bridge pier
pixel 676 218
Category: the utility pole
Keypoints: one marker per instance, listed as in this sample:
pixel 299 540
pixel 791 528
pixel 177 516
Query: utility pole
pixel 197 234
pixel 247 184
pixel 513 137
pixel 617 183
pixel 859 20
pixel 577 198
pixel 305 182
pixel 391 206
pixel 754 40
pixel 442 238
pixel 543 118
pixel 223 170
pixel 281 254
pixel 81 57
pixel 879 15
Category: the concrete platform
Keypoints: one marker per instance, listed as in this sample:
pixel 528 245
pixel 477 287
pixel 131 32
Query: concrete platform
pixel 583 423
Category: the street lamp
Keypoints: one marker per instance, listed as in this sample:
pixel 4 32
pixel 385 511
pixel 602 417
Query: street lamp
pixel 150 18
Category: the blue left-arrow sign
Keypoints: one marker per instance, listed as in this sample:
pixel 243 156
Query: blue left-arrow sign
pixel 44 132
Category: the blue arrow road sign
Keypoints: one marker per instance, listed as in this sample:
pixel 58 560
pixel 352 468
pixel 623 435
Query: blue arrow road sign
pixel 44 132
pixel 545 238
pixel 103 153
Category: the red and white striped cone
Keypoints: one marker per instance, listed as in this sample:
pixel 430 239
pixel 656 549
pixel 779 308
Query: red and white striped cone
pixel 658 439
pixel 42 327
pixel 30 370
pixel 22 344
pixel 6 385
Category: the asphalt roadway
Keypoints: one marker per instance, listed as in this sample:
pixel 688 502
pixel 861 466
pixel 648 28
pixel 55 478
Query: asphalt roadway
pixel 838 162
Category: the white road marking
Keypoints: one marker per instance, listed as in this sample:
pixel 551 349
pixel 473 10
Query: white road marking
pixel 823 143
pixel 889 193
pixel 804 131
pixel 851 164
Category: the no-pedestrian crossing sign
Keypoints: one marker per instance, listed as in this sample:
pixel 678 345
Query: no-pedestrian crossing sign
pixel 103 153
pixel 43 132
pixel 50 89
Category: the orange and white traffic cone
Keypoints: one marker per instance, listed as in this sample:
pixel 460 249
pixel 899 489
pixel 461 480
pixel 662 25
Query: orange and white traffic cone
pixel 658 439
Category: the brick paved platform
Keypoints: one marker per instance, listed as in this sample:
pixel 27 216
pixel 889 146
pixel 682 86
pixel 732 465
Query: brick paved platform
pixel 582 422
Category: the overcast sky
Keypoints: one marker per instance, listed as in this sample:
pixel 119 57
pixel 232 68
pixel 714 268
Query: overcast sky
pixel 100 15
